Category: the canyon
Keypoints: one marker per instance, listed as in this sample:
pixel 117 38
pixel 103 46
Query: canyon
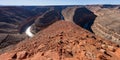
pixel 68 42
pixel 60 32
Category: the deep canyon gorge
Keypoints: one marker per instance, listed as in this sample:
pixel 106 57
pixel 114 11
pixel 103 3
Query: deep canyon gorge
pixel 29 32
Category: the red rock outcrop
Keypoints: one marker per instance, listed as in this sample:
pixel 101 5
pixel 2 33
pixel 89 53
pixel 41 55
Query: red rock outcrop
pixel 64 41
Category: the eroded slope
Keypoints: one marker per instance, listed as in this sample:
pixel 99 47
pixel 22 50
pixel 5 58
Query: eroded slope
pixel 107 24
pixel 64 41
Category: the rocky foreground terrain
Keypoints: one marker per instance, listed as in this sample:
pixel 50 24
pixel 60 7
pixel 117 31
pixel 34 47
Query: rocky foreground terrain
pixel 64 41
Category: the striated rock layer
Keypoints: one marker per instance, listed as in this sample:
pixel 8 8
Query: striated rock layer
pixel 64 41
pixel 11 17
pixel 45 20
pixel 107 24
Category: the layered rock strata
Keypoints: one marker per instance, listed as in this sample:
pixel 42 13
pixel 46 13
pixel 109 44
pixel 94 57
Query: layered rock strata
pixel 107 24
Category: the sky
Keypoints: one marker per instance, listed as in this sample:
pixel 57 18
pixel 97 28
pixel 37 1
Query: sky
pixel 57 2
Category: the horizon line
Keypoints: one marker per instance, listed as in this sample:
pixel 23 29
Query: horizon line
pixel 59 5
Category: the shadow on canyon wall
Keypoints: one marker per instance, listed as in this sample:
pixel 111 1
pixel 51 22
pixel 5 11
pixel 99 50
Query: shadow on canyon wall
pixel 84 18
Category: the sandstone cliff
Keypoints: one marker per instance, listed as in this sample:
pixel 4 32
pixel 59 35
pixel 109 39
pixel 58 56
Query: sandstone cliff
pixel 80 16
pixel 107 24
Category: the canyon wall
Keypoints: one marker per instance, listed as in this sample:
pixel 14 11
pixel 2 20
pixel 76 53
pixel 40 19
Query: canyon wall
pixel 80 16
pixel 107 24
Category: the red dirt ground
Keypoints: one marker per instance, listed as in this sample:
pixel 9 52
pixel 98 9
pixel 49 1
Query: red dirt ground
pixel 64 41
